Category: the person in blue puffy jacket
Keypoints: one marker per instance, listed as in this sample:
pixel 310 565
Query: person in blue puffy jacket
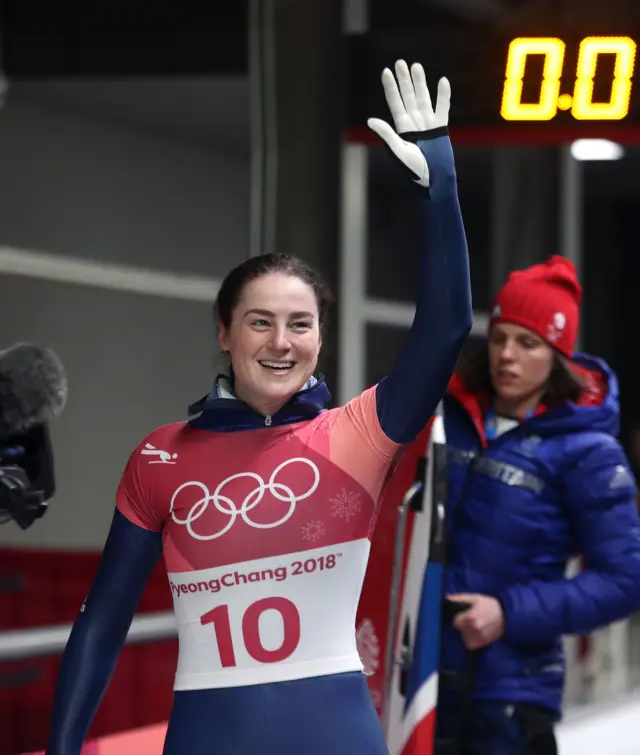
pixel 536 477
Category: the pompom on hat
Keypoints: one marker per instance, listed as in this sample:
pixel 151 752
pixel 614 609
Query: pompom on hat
pixel 544 298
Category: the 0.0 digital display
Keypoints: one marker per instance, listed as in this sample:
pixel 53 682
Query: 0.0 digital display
pixel 559 85
pixel 580 79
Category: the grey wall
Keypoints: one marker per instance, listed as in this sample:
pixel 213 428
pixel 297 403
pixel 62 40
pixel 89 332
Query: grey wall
pixel 75 186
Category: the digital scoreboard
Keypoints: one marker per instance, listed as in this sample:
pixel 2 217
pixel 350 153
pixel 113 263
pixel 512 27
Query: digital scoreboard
pixel 530 87
pixel 567 87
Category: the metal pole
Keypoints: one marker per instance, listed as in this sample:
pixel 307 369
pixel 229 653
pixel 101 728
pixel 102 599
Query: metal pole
pixel 353 270
pixel 270 144
pixel 256 117
pixel 502 198
pixel 570 240
pixel 571 213
pixel 394 600
pixel 352 332
pixel 264 127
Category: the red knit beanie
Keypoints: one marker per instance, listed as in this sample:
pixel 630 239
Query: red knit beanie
pixel 544 298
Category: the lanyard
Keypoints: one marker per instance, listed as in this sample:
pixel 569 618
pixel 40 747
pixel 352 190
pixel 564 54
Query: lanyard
pixel 491 422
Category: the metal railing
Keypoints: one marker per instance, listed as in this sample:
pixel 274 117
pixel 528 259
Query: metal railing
pixel 41 642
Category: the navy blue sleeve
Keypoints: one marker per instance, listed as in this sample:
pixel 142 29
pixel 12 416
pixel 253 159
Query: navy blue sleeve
pixel 601 505
pixel 129 557
pixel 408 396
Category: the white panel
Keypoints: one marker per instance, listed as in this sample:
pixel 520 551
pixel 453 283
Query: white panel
pixel 55 267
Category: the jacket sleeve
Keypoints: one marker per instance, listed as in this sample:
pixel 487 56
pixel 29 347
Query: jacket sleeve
pixel 407 397
pixel 129 557
pixel 601 505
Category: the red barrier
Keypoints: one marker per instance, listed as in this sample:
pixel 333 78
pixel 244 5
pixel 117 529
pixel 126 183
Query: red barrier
pixel 54 584
pixel 148 740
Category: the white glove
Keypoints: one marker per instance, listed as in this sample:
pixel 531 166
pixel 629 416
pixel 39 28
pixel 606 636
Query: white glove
pixel 412 111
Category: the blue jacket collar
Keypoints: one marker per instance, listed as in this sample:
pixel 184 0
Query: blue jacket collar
pixel 221 411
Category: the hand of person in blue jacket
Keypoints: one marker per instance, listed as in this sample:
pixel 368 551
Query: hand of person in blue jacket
pixel 482 623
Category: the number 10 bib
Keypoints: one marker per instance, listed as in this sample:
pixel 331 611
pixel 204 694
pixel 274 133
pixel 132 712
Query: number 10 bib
pixel 268 620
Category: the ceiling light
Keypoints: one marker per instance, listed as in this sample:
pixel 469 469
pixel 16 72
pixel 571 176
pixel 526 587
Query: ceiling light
pixel 596 149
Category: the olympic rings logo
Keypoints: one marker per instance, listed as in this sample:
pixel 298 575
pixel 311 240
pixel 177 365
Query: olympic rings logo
pixel 227 506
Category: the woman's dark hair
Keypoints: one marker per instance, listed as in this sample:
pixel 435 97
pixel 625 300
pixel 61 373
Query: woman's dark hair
pixel 564 383
pixel 255 267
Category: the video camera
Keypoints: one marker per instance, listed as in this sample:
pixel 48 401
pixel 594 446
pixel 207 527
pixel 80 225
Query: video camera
pixel 33 391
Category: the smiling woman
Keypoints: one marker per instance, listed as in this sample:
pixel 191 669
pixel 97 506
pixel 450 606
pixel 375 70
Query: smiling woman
pixel 262 477
pixel 270 316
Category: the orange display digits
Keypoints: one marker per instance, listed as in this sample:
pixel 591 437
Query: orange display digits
pixel 584 108
pixel 513 109
pixel 581 102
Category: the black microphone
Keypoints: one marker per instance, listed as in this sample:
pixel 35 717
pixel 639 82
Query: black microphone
pixel 33 388
pixel 33 391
